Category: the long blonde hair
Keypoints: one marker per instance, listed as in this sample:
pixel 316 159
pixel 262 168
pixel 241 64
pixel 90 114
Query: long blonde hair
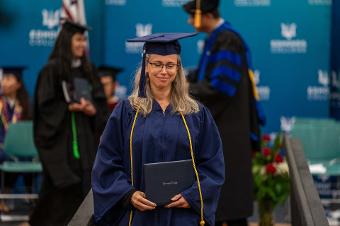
pixel 179 100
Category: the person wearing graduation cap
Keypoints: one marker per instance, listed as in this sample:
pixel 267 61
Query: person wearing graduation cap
pixel 14 107
pixel 224 83
pixel 108 78
pixel 65 128
pixel 159 122
pixel 14 99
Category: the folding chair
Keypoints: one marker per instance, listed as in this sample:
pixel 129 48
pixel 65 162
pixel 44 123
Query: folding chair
pixel 18 145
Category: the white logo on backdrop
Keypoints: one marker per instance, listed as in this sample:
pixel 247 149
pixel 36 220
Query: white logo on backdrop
pixel 257 77
pixel 320 92
pixel 50 18
pixel 288 30
pixel 141 30
pixel 173 3
pixel 263 91
pixel 323 77
pixel 287 123
pixel 116 2
pixel 335 79
pixel 47 36
pixel 335 96
pixel 288 44
pixel 320 2
pixel 252 3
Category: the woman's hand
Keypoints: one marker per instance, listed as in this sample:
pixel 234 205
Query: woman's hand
pixel 139 201
pixel 84 106
pixel 89 108
pixel 178 201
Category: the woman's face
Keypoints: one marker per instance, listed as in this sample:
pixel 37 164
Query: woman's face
pixel 10 85
pixel 78 45
pixel 162 70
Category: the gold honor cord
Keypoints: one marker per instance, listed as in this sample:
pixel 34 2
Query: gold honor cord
pixel 202 222
pixel 4 120
pixel 131 159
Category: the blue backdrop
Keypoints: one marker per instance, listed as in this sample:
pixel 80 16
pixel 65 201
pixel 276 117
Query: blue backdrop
pixel 290 43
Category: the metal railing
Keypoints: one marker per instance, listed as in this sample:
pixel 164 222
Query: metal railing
pixel 306 207
pixel 83 216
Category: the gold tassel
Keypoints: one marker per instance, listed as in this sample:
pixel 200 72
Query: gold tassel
pixel 197 19
pixel 202 223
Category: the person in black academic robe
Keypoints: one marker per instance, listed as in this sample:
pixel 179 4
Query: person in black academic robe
pixel 65 132
pixel 151 126
pixel 223 82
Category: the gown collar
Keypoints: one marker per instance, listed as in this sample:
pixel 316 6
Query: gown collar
pixel 157 107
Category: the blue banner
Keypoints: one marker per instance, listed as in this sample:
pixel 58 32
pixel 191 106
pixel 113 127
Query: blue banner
pixel 290 51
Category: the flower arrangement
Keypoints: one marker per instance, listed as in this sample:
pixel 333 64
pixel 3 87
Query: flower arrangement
pixel 271 178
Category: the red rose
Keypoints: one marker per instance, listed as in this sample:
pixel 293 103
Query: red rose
pixel 266 151
pixel 278 158
pixel 270 168
pixel 266 137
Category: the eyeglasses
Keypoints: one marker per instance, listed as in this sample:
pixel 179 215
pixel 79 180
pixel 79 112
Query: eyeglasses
pixel 159 66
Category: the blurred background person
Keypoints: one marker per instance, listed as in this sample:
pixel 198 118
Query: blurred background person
pixel 222 82
pixel 14 107
pixel 69 107
pixel 108 78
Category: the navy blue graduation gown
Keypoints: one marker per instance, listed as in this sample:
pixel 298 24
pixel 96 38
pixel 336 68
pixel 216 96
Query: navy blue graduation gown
pixel 158 137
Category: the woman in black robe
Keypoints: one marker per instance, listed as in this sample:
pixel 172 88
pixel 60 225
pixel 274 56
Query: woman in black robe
pixel 65 128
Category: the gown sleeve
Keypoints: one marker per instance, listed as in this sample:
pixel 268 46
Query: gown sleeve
pixel 110 183
pixel 210 165
pixel 50 127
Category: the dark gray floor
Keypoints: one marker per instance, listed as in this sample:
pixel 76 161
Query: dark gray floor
pixel 281 215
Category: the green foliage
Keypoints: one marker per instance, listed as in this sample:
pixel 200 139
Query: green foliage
pixel 270 171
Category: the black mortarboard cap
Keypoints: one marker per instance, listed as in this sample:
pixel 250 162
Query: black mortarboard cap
pixel 205 6
pixel 12 70
pixel 74 27
pixel 105 70
pixel 161 44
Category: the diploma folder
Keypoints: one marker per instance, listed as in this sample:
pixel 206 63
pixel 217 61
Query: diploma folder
pixel 163 180
pixel 79 88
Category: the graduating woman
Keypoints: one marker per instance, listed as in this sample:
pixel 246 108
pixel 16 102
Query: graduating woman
pixel 65 127
pixel 158 123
